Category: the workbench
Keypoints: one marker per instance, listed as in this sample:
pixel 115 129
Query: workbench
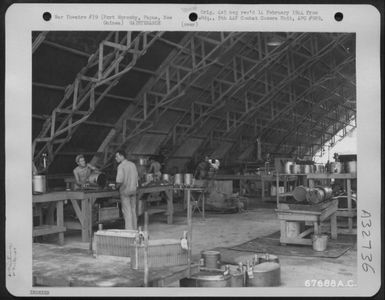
pixel 82 202
pixel 75 267
pixel 306 213
pixel 350 213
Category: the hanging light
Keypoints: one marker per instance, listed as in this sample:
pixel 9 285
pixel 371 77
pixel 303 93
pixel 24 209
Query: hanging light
pixel 274 41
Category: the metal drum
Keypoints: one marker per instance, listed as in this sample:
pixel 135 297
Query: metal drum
pixel 351 167
pixel 211 259
pixel 265 274
pixel 188 179
pixel 39 184
pixel 296 168
pixel 289 167
pixel 178 179
pixel 299 193
pixel 97 179
pixel 207 279
pixel 307 169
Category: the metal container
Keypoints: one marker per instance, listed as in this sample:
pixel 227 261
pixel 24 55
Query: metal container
pixel 265 274
pixel 149 177
pixel 319 168
pixel 351 167
pixel 308 169
pixel 39 184
pixel 300 192
pixel 178 179
pixel 320 242
pixel 289 167
pixel 188 179
pixel 336 167
pixel 237 276
pixel 143 161
pixel 207 279
pixel 319 194
pixel 97 179
pixel 212 259
pixel 166 177
pixel 261 258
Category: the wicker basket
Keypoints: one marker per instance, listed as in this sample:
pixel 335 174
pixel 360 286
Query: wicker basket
pixel 161 253
pixel 114 242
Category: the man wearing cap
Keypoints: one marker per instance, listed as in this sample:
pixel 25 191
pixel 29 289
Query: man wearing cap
pixel 127 182
pixel 82 172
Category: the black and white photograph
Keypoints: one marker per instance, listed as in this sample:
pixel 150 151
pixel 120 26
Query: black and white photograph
pixel 195 159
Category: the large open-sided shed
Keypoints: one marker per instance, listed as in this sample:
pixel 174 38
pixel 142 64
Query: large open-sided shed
pixel 188 94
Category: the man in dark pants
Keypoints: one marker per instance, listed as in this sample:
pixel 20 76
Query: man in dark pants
pixel 127 182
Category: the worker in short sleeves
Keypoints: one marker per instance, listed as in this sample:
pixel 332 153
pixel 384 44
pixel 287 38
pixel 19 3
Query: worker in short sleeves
pixel 127 182
pixel 82 172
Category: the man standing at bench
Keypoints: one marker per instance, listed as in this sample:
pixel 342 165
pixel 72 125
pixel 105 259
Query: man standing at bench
pixel 127 182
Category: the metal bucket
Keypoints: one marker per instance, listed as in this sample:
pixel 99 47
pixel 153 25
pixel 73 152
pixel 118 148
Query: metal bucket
pixel 300 192
pixel 307 169
pixel 289 167
pixel 320 242
pixel 207 279
pixel 188 179
pixel 39 184
pixel 351 167
pixel 265 274
pixel 178 179
pixel 97 179
pixel 211 259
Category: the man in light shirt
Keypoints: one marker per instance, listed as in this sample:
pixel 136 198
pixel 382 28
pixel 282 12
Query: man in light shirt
pixel 127 182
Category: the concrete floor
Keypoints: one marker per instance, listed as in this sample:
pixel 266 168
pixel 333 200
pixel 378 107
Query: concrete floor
pixel 224 230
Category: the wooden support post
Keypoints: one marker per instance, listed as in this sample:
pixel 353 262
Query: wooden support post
pixel 349 190
pixel 333 226
pixel 86 221
pixel 170 206
pixel 146 262
pixel 189 230
pixel 60 220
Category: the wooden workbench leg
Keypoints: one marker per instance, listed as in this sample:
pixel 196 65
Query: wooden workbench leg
pixel 203 205
pixel 60 220
pixel 316 228
pixel 263 190
pixel 184 198
pixel 349 190
pixel 170 206
pixel 86 220
pixel 283 232
pixel 333 226
pixel 51 214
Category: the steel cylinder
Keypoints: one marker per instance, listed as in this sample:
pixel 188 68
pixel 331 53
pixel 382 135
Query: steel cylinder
pixel 188 179
pixel 97 179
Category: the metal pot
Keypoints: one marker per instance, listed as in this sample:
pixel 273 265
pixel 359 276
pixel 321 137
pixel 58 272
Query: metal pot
pixel 188 179
pixel 265 274
pixel 178 179
pixel 320 168
pixel 39 184
pixel 336 167
pixel 97 179
pixel 307 169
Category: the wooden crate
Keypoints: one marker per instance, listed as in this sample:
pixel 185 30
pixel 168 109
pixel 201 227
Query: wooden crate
pixel 114 242
pixel 161 253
